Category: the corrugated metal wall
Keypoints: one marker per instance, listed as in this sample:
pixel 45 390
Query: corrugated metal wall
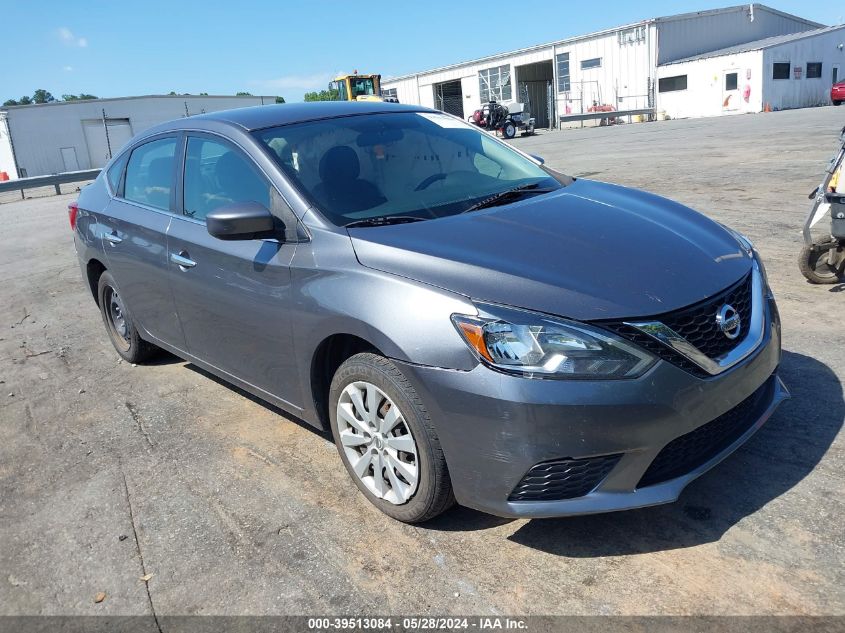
pixel 799 91
pixel 685 36
pixel 40 132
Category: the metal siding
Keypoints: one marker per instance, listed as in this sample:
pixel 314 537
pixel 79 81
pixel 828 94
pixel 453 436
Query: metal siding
pixel 40 131
pixel 696 34
pixel 802 93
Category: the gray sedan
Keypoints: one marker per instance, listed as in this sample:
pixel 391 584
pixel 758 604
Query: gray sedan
pixel 470 324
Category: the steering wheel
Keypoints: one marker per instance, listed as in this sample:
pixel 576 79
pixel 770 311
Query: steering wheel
pixel 431 180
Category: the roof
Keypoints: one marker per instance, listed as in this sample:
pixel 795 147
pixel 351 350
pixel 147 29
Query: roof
pixel 578 38
pixel 757 45
pixel 112 99
pixel 258 117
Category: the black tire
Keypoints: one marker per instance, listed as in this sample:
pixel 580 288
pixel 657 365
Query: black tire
pixel 812 262
pixel 508 130
pixel 836 103
pixel 122 330
pixel 433 494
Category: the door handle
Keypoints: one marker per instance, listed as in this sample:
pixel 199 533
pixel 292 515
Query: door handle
pixel 182 261
pixel 112 238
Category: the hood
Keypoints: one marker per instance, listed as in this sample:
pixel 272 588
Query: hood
pixel 588 251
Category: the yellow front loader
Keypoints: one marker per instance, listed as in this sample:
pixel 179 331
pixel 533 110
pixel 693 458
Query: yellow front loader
pixel 357 87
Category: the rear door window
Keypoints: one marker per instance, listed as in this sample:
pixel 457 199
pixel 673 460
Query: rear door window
pixel 149 173
pixel 217 174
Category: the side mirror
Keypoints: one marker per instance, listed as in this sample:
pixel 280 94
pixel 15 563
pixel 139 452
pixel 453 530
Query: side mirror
pixel 539 159
pixel 241 221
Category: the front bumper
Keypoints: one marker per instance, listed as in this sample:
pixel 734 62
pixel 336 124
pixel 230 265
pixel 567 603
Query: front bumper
pixel 495 427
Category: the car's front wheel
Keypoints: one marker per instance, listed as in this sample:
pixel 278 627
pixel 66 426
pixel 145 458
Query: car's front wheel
pixel 386 440
pixel 119 324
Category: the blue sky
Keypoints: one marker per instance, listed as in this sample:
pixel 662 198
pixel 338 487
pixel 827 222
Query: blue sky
pixel 281 47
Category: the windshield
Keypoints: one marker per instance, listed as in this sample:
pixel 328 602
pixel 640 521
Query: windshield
pixel 418 164
pixel 362 86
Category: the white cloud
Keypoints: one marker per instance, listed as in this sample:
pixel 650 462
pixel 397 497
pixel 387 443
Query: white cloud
pixel 67 69
pixel 293 87
pixel 69 39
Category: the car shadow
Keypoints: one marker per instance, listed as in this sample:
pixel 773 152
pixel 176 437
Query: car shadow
pixel 326 435
pixel 779 456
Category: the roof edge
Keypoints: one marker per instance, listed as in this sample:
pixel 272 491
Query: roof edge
pixel 134 97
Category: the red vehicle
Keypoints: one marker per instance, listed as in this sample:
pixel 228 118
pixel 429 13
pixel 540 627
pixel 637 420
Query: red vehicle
pixel 837 93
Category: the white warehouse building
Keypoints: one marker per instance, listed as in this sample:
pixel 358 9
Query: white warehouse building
pixel 51 138
pixel 782 72
pixel 616 68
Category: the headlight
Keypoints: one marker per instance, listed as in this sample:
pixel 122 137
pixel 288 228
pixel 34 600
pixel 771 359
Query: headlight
pixel 536 346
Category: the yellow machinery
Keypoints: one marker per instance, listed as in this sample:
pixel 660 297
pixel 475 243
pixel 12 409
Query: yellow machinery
pixel 357 87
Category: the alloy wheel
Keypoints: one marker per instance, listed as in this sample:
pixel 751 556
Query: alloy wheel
pixel 378 442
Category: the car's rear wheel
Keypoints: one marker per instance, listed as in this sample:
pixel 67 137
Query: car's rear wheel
pixel 119 324
pixel 509 130
pixel 386 440
pixel 836 103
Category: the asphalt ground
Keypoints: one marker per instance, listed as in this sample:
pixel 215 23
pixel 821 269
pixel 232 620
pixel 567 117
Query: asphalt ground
pixel 110 472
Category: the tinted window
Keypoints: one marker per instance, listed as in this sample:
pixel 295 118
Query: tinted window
pixel 814 70
pixel 780 70
pixel 587 64
pixel 149 174
pixel 115 172
pixel 671 84
pixel 731 81
pixel 216 174
pixel 421 164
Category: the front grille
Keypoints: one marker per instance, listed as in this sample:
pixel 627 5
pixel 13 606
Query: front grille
pixel 697 324
pixel 688 452
pixel 563 479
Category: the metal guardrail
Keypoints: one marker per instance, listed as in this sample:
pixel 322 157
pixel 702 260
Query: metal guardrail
pixel 22 184
pixel 613 114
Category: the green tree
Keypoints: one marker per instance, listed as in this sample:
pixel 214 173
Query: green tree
pixel 24 100
pixel 323 95
pixel 203 94
pixel 172 93
pixel 10 102
pixel 243 94
pixel 280 99
pixel 80 97
pixel 42 96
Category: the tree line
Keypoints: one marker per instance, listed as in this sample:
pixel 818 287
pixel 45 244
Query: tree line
pixel 42 96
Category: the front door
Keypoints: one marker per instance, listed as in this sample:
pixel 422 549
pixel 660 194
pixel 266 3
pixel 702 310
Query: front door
pixel 835 75
pixel 730 90
pixel 134 233
pixel 232 297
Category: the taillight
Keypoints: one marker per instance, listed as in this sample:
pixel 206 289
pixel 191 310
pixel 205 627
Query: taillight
pixel 72 210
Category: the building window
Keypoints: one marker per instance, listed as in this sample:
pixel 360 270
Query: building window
pixel 389 92
pixel 671 84
pixel 495 83
pixel 780 70
pixel 814 70
pixel 587 64
pixel 563 84
pixel 632 35
pixel 731 81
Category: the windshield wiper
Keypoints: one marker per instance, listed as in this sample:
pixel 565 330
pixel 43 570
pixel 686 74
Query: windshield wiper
pixel 498 198
pixel 384 220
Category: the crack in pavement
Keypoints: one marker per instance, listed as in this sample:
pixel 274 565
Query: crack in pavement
pixel 138 548
pixel 138 421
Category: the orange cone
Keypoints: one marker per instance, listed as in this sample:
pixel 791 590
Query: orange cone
pixel 768 108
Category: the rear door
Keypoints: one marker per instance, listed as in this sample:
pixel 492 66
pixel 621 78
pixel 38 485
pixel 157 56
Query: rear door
pixel 730 90
pixel 232 297
pixel 134 232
